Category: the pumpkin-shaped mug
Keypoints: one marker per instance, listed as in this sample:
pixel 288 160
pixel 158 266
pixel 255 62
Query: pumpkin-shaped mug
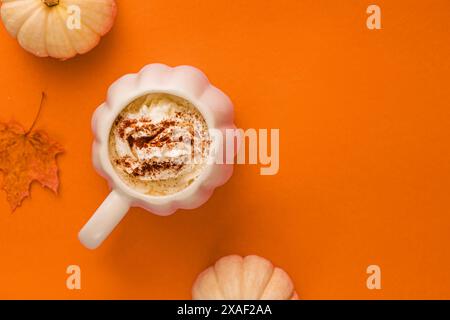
pixel 159 142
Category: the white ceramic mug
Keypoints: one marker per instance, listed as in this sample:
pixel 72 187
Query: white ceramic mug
pixel 186 82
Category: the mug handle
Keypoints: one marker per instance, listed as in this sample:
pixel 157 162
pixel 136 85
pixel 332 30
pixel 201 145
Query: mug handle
pixel 104 220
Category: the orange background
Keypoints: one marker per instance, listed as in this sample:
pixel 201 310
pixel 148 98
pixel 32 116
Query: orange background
pixel 365 158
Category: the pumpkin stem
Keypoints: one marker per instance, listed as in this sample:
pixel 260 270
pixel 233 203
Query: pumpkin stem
pixel 51 3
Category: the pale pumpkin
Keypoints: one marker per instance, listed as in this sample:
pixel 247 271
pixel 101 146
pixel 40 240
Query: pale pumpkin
pixel 58 28
pixel 249 278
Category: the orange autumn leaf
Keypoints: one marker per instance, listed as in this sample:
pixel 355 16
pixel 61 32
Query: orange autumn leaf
pixel 26 156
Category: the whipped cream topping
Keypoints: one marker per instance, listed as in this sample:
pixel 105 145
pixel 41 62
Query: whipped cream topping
pixel 160 141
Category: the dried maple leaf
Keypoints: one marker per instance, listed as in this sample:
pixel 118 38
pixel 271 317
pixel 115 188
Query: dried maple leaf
pixel 27 156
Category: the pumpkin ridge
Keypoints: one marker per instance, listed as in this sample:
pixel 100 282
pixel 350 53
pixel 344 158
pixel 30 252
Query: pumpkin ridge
pixel 84 25
pixel 66 36
pixel 46 33
pixel 28 19
pixel 65 31
pixel 217 281
pixel 267 282
pixel 285 275
pixel 241 280
pixel 25 21
pixel 11 4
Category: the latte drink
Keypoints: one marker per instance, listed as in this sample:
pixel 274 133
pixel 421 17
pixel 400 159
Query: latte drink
pixel 159 144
